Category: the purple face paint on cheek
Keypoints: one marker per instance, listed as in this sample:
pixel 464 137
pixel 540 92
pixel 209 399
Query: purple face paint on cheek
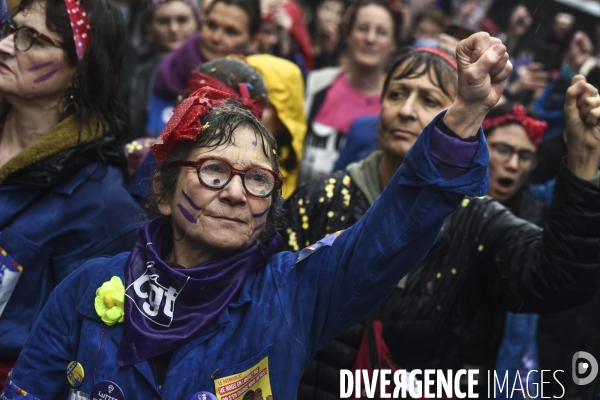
pixel 261 214
pixel 189 200
pixel 187 214
pixel 38 67
pixel 258 228
pixel 46 77
pixel 254 143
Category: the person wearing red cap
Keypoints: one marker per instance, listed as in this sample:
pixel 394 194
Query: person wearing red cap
pixel 202 303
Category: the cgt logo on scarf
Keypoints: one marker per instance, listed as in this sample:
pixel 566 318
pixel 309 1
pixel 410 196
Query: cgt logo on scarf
pixel 154 300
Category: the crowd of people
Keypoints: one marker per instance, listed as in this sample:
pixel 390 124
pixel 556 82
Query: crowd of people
pixel 222 199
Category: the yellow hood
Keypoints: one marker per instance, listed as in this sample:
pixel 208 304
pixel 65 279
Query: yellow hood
pixel 286 93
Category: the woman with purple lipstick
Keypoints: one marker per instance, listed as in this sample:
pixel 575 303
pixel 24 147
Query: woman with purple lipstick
pixel 203 304
pixel 62 191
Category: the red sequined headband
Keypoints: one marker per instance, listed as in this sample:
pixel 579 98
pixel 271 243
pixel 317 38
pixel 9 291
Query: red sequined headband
pixel 186 122
pixel 440 53
pixel 80 25
pixel 200 80
pixel 535 128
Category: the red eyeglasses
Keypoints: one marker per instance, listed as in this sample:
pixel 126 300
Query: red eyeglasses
pixel 25 37
pixel 216 174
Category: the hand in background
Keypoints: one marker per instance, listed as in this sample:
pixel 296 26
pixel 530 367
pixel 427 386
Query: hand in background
pixel 580 49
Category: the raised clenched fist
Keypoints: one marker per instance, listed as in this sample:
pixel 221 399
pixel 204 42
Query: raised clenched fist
pixel 483 68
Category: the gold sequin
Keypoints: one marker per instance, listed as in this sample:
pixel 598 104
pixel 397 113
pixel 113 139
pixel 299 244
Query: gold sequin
pixel 465 202
pixel 343 217
pixel 439 275
pixel 304 225
pixel 300 202
pixel 453 270
pixel 322 199
pixel 292 241
pixel 302 210
pixel 346 180
pixel 480 248
pixel 330 214
pixel 305 218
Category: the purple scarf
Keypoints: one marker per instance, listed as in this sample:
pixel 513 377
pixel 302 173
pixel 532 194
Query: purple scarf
pixel 166 307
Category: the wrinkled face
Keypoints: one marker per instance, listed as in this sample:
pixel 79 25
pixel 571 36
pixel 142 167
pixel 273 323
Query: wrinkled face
pixel 220 220
pixel 43 71
pixel 427 29
pixel 371 39
pixel 171 24
pixel 225 31
pixel 509 172
pixel 408 106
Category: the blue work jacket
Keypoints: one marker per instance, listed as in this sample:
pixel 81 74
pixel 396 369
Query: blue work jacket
pixel 88 215
pixel 284 313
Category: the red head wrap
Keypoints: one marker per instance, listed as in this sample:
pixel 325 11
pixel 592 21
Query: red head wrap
pixel 200 80
pixel 186 122
pixel 440 53
pixel 535 128
pixel 80 25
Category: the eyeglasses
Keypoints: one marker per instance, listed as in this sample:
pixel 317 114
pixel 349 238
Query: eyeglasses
pixel 504 152
pixel 25 37
pixel 216 174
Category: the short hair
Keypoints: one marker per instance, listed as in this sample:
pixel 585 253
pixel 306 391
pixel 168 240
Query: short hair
pixel 223 121
pixel 430 14
pixel 419 63
pixel 250 7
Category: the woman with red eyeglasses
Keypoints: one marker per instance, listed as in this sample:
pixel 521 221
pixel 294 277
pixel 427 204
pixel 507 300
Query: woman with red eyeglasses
pixel 62 191
pixel 202 307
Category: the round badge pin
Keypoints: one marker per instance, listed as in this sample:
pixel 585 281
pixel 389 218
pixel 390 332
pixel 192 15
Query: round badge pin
pixel 107 390
pixel 75 374
pixel 203 396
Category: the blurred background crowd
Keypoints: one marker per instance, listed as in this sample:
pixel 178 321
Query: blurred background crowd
pixel 316 69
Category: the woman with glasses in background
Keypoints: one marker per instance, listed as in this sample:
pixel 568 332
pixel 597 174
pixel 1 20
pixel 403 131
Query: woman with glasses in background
pixel 62 191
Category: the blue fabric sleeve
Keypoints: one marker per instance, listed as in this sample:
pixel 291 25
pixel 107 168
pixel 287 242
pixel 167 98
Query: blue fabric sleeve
pixel 53 341
pixel 344 279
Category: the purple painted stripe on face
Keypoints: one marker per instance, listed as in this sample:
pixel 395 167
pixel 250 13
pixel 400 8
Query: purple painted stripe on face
pixel 258 228
pixel 187 214
pixel 38 67
pixel 261 214
pixel 46 77
pixel 194 206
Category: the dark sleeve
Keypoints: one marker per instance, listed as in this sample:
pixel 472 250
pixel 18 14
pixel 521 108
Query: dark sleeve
pixel 306 211
pixel 549 270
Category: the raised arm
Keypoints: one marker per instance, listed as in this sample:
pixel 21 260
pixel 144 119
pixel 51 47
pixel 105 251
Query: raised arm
pixel 339 281
pixel 559 267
